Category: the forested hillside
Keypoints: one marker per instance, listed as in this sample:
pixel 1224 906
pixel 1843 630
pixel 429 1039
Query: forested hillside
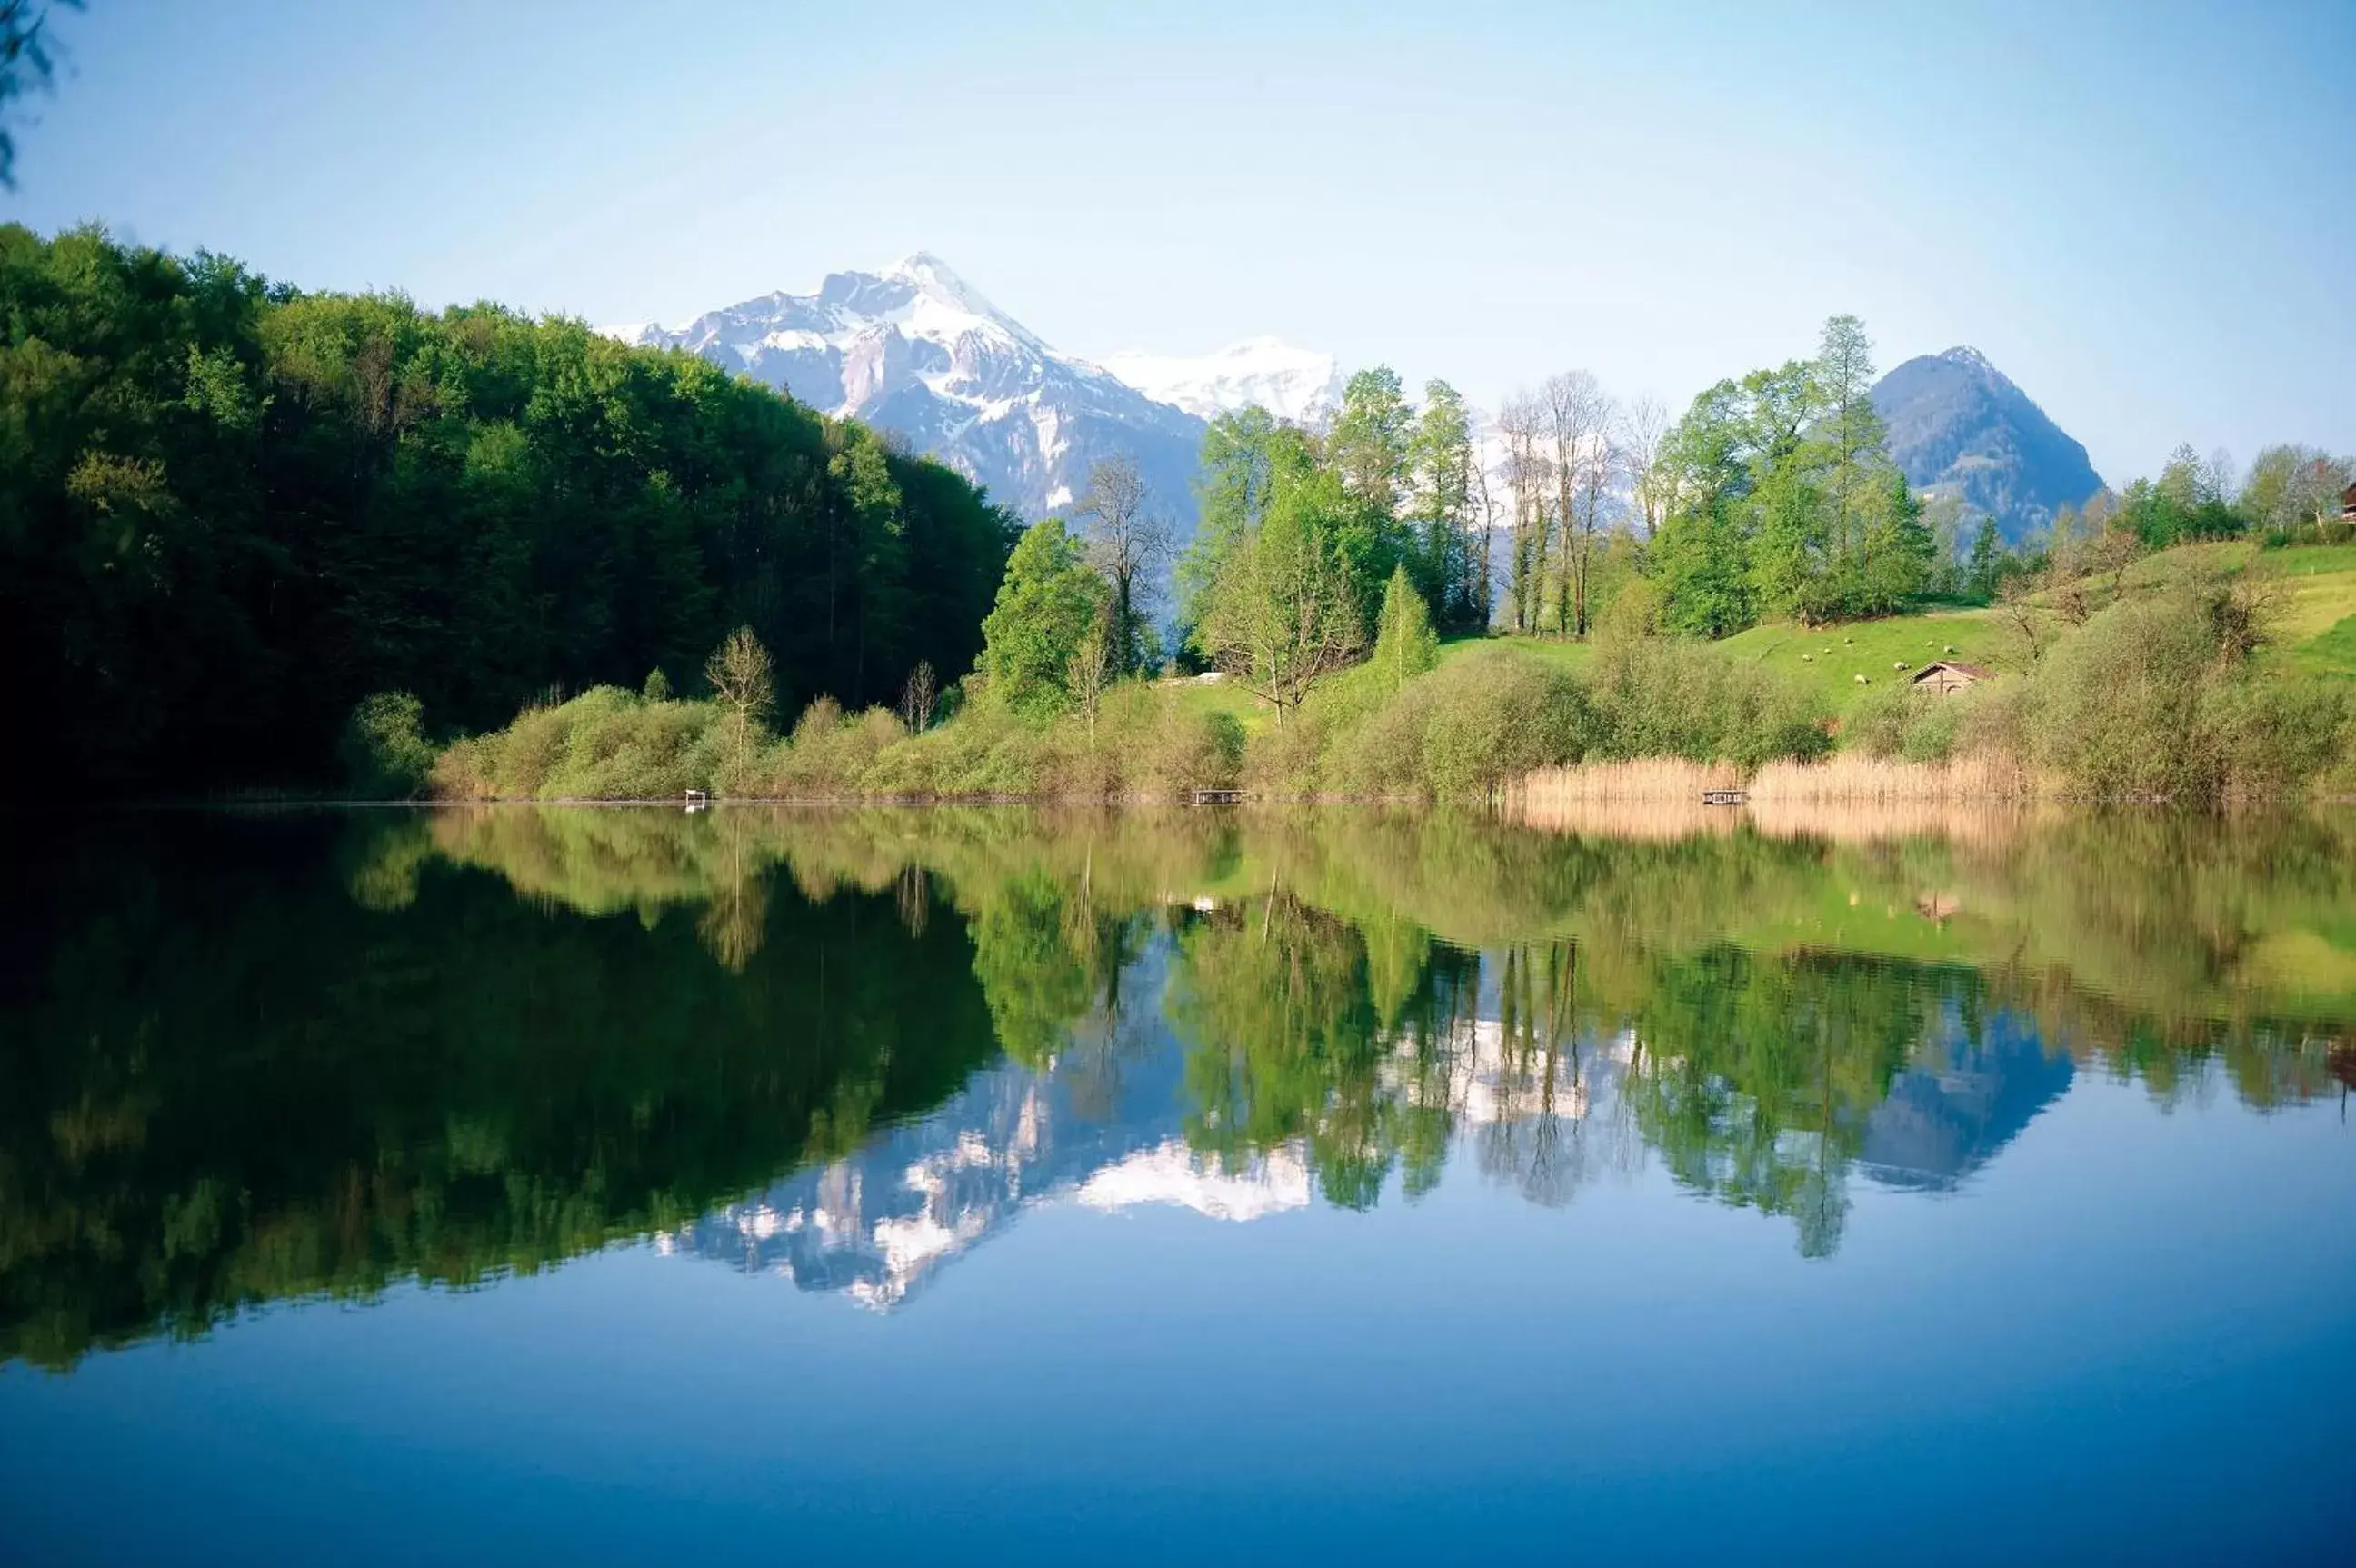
pixel 229 510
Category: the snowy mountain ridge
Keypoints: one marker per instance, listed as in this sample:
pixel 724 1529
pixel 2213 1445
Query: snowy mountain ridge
pixel 916 349
pixel 1296 384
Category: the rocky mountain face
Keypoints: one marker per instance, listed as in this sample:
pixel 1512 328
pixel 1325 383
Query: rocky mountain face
pixel 918 350
pixel 1959 427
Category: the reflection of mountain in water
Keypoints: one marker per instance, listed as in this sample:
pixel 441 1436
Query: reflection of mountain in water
pixel 1114 1122
pixel 1951 1111
pixel 877 1223
pixel 1104 1126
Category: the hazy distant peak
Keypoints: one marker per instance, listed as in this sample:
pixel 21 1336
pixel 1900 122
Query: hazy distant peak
pixel 1958 426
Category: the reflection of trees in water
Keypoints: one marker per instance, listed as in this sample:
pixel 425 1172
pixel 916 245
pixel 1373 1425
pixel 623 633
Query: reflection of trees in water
pixel 1755 1076
pixel 1752 1080
pixel 245 1063
pixel 230 1082
pixel 1752 1075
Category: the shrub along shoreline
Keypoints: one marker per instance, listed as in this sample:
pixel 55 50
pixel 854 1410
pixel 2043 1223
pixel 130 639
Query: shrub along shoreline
pixel 2152 699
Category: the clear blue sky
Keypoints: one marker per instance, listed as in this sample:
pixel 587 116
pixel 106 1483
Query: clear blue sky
pixel 2146 213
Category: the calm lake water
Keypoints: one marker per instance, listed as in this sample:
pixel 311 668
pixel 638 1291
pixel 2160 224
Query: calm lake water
pixel 630 1186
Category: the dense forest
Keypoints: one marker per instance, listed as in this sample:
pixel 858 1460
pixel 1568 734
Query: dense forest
pixel 229 510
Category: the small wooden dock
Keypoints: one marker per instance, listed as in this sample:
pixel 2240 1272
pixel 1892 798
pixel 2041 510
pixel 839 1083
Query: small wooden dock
pixel 1723 797
pixel 1214 796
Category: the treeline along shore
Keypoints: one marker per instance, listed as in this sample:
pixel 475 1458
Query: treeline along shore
pixel 259 538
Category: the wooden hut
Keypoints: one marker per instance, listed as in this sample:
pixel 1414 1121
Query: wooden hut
pixel 1945 677
pixel 2348 504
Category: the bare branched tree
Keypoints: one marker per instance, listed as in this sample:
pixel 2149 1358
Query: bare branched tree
pixel 918 697
pixel 1126 539
pixel 1577 413
pixel 2025 621
pixel 1093 669
pixel 1521 422
pixel 740 677
pixel 1643 427
pixel 1484 507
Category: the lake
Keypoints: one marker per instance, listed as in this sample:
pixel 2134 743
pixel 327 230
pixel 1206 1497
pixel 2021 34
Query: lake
pixel 634 1184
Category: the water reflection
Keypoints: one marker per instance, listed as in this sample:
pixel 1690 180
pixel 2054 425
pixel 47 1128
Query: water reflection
pixel 252 1059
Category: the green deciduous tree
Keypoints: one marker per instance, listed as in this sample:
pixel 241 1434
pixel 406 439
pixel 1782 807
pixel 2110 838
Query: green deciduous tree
pixel 1045 607
pixel 1405 645
pixel 1449 563
pixel 1283 612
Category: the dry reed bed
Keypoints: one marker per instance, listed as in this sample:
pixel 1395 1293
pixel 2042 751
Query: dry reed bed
pixel 1846 799
pixel 1851 778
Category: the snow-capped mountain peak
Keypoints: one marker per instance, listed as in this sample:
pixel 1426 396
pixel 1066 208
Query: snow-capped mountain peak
pixel 933 276
pixel 916 349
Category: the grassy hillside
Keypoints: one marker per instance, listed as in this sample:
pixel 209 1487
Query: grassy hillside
pixel 2315 632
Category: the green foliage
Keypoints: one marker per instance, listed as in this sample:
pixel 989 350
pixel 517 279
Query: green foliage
pixel 1785 502
pixel 657 686
pixel 1701 561
pixel 1446 555
pixel 1672 697
pixel 1491 720
pixel 386 755
pixel 1282 613
pixel 2156 698
pixel 2294 492
pixel 1405 644
pixel 1046 606
pixel 228 510
pixel 604 745
pixel 1242 451
pixel 1482 720
pixel 1368 444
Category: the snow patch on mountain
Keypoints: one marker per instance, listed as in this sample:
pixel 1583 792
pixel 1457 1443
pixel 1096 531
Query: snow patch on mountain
pixel 1296 384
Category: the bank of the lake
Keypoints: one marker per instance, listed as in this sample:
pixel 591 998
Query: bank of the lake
pixel 2176 691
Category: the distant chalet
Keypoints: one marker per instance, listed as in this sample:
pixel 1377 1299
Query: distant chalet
pixel 2348 504
pixel 1947 677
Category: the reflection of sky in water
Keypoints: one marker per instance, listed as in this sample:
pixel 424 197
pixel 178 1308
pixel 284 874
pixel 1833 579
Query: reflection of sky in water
pixel 2133 1323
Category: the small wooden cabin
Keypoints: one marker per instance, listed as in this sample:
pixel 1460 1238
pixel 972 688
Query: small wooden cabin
pixel 2348 504
pixel 1945 677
